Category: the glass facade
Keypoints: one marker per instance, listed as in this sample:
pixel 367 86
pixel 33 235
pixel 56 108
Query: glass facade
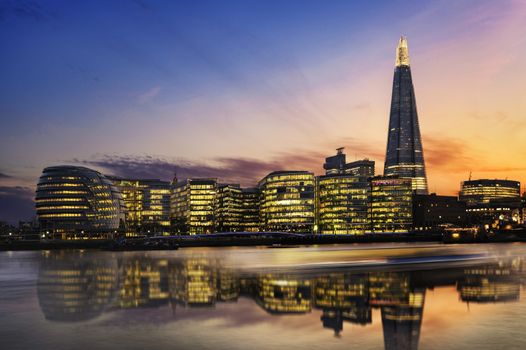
pixel 76 202
pixel 237 209
pixel 287 202
pixel 484 191
pixel 342 203
pixel 404 155
pixel 488 200
pixel 390 206
pixel 193 206
pixel 147 205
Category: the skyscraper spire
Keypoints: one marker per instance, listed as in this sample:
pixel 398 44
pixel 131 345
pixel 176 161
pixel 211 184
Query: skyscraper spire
pixel 404 156
pixel 402 52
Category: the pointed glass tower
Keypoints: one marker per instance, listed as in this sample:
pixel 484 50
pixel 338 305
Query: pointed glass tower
pixel 404 156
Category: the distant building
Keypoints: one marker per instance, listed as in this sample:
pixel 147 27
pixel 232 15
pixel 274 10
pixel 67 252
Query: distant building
pixel 342 203
pixel 337 164
pixel 390 206
pixel 147 205
pixel 193 206
pixel 287 201
pixel 430 211
pixel 77 202
pixel 364 167
pixel 488 200
pixel 405 156
pixel 28 230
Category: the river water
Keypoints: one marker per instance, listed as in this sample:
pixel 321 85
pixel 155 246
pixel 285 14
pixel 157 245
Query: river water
pixel 376 296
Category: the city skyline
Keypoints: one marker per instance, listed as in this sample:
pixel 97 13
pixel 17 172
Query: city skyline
pixel 274 102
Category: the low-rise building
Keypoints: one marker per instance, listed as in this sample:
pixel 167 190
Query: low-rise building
pixel 431 211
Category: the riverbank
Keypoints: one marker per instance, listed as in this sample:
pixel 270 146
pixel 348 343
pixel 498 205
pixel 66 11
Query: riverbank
pixel 255 239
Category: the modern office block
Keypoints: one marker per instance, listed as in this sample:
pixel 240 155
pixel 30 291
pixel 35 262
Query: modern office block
pixel 287 201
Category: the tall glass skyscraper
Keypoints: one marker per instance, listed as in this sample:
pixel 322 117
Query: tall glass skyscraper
pixel 404 156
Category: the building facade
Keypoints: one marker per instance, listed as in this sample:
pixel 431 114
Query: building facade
pixel 193 206
pixel 147 205
pixel 390 205
pixel 431 211
pixel 337 164
pixel 287 201
pixel 404 156
pixel 76 202
pixel 342 204
pixel 491 199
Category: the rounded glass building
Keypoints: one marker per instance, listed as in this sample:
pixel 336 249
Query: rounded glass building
pixel 76 202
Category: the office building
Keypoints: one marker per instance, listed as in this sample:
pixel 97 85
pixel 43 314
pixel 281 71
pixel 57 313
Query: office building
pixel 337 164
pixel 237 209
pixel 342 203
pixel 77 202
pixel 193 206
pixel 287 201
pixel 404 156
pixel 147 205
pixel 390 205
pixel 488 200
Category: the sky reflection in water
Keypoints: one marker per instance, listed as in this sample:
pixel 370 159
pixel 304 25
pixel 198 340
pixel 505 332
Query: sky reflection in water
pixel 292 298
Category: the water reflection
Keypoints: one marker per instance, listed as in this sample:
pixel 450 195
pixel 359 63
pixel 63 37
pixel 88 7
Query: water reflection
pixel 75 287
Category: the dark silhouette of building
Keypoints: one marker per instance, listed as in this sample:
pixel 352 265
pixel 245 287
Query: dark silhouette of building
pixel 430 211
pixel 404 156
pixel 337 164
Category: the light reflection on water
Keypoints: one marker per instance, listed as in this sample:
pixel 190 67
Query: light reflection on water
pixel 265 298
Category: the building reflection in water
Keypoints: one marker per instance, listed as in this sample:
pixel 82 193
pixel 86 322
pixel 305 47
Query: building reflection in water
pixel 76 286
pixel 72 287
pixel 491 283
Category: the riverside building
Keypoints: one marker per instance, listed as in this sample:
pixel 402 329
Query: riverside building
pixel 237 209
pixel 342 195
pixel 147 205
pixel 431 211
pixel 491 199
pixel 192 206
pixel 287 201
pixel 342 202
pixel 76 202
pixel 404 155
pixel 390 205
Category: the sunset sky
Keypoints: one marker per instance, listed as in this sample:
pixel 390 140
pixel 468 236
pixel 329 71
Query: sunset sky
pixel 236 89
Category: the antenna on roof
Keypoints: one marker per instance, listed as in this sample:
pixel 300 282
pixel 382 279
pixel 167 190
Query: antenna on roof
pixel 470 175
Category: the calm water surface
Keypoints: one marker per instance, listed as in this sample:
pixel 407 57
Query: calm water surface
pixel 334 297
